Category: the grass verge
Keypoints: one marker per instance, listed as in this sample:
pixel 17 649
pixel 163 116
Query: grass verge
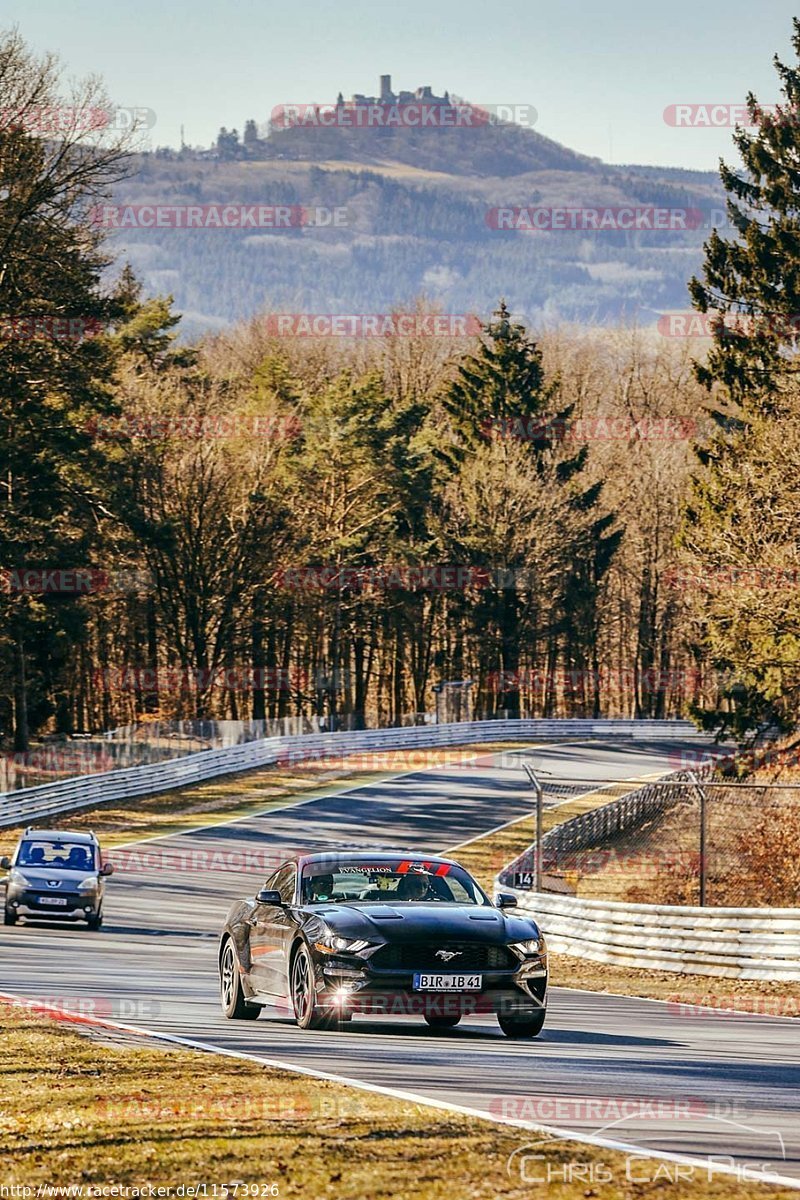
pixel 76 1111
pixel 689 994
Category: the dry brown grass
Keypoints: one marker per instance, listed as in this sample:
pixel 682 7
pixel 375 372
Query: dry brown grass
pixel 75 1111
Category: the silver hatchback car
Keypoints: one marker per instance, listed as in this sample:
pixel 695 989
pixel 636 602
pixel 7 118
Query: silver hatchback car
pixel 55 873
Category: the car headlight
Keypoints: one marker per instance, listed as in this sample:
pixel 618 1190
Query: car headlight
pixel 88 885
pixel 333 944
pixel 18 878
pixel 532 946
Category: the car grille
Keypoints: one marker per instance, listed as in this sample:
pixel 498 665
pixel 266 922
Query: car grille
pixel 470 956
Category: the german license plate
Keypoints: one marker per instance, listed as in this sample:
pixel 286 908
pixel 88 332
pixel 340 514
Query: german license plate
pixel 59 901
pixel 447 983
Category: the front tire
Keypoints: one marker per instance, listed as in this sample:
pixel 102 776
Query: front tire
pixel 307 1012
pixel 231 993
pixel 521 1027
pixel 9 916
pixel 95 920
pixel 441 1021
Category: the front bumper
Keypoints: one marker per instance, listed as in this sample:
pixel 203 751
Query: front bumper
pixel 39 903
pixel 346 987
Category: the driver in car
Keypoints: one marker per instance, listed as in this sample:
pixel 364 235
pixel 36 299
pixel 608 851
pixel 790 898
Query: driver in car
pixel 78 859
pixel 414 887
pixel 321 888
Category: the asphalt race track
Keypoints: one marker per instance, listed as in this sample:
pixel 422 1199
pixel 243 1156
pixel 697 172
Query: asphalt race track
pixel 723 1085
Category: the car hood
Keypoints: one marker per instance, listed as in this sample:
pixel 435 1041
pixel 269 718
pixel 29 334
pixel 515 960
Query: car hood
pixel 424 922
pixel 61 876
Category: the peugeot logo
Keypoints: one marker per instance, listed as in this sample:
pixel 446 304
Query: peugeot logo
pixel 446 955
pixel 53 882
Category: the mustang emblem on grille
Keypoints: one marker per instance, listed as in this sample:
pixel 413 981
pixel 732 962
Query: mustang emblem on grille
pixel 446 955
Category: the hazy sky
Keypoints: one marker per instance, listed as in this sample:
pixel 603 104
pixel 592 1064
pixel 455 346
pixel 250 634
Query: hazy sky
pixel 599 74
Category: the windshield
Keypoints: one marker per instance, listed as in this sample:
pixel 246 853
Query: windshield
pixel 399 882
pixel 72 856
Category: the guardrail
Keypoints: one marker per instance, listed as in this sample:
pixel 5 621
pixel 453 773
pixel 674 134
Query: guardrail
pixel 732 943
pixel 68 795
pixel 608 821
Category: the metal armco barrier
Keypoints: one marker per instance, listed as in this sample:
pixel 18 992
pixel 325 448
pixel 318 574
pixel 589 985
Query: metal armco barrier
pixel 68 795
pixel 732 943
pixel 608 821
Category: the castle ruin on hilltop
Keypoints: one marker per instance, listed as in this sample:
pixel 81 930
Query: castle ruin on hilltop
pixel 423 95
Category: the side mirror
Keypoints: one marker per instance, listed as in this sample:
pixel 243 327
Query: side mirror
pixel 5 863
pixel 107 869
pixel 504 900
pixel 268 896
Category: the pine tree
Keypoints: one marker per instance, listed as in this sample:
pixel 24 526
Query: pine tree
pixel 752 279
pixel 735 518
pixel 250 137
pixel 52 382
pixel 502 391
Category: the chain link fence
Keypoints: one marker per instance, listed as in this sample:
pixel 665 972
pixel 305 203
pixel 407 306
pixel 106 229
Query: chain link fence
pixel 682 841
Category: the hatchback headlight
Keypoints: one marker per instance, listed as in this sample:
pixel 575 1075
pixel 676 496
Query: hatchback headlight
pixel 18 878
pixel 88 885
pixel 531 947
pixel 333 944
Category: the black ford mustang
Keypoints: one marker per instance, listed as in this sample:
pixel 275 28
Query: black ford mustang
pixel 342 933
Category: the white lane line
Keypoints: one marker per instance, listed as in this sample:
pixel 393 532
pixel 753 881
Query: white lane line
pixel 344 790
pixel 553 1131
pixel 551 807
pixel 398 1093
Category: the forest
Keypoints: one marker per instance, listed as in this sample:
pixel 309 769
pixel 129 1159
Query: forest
pixel 244 525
